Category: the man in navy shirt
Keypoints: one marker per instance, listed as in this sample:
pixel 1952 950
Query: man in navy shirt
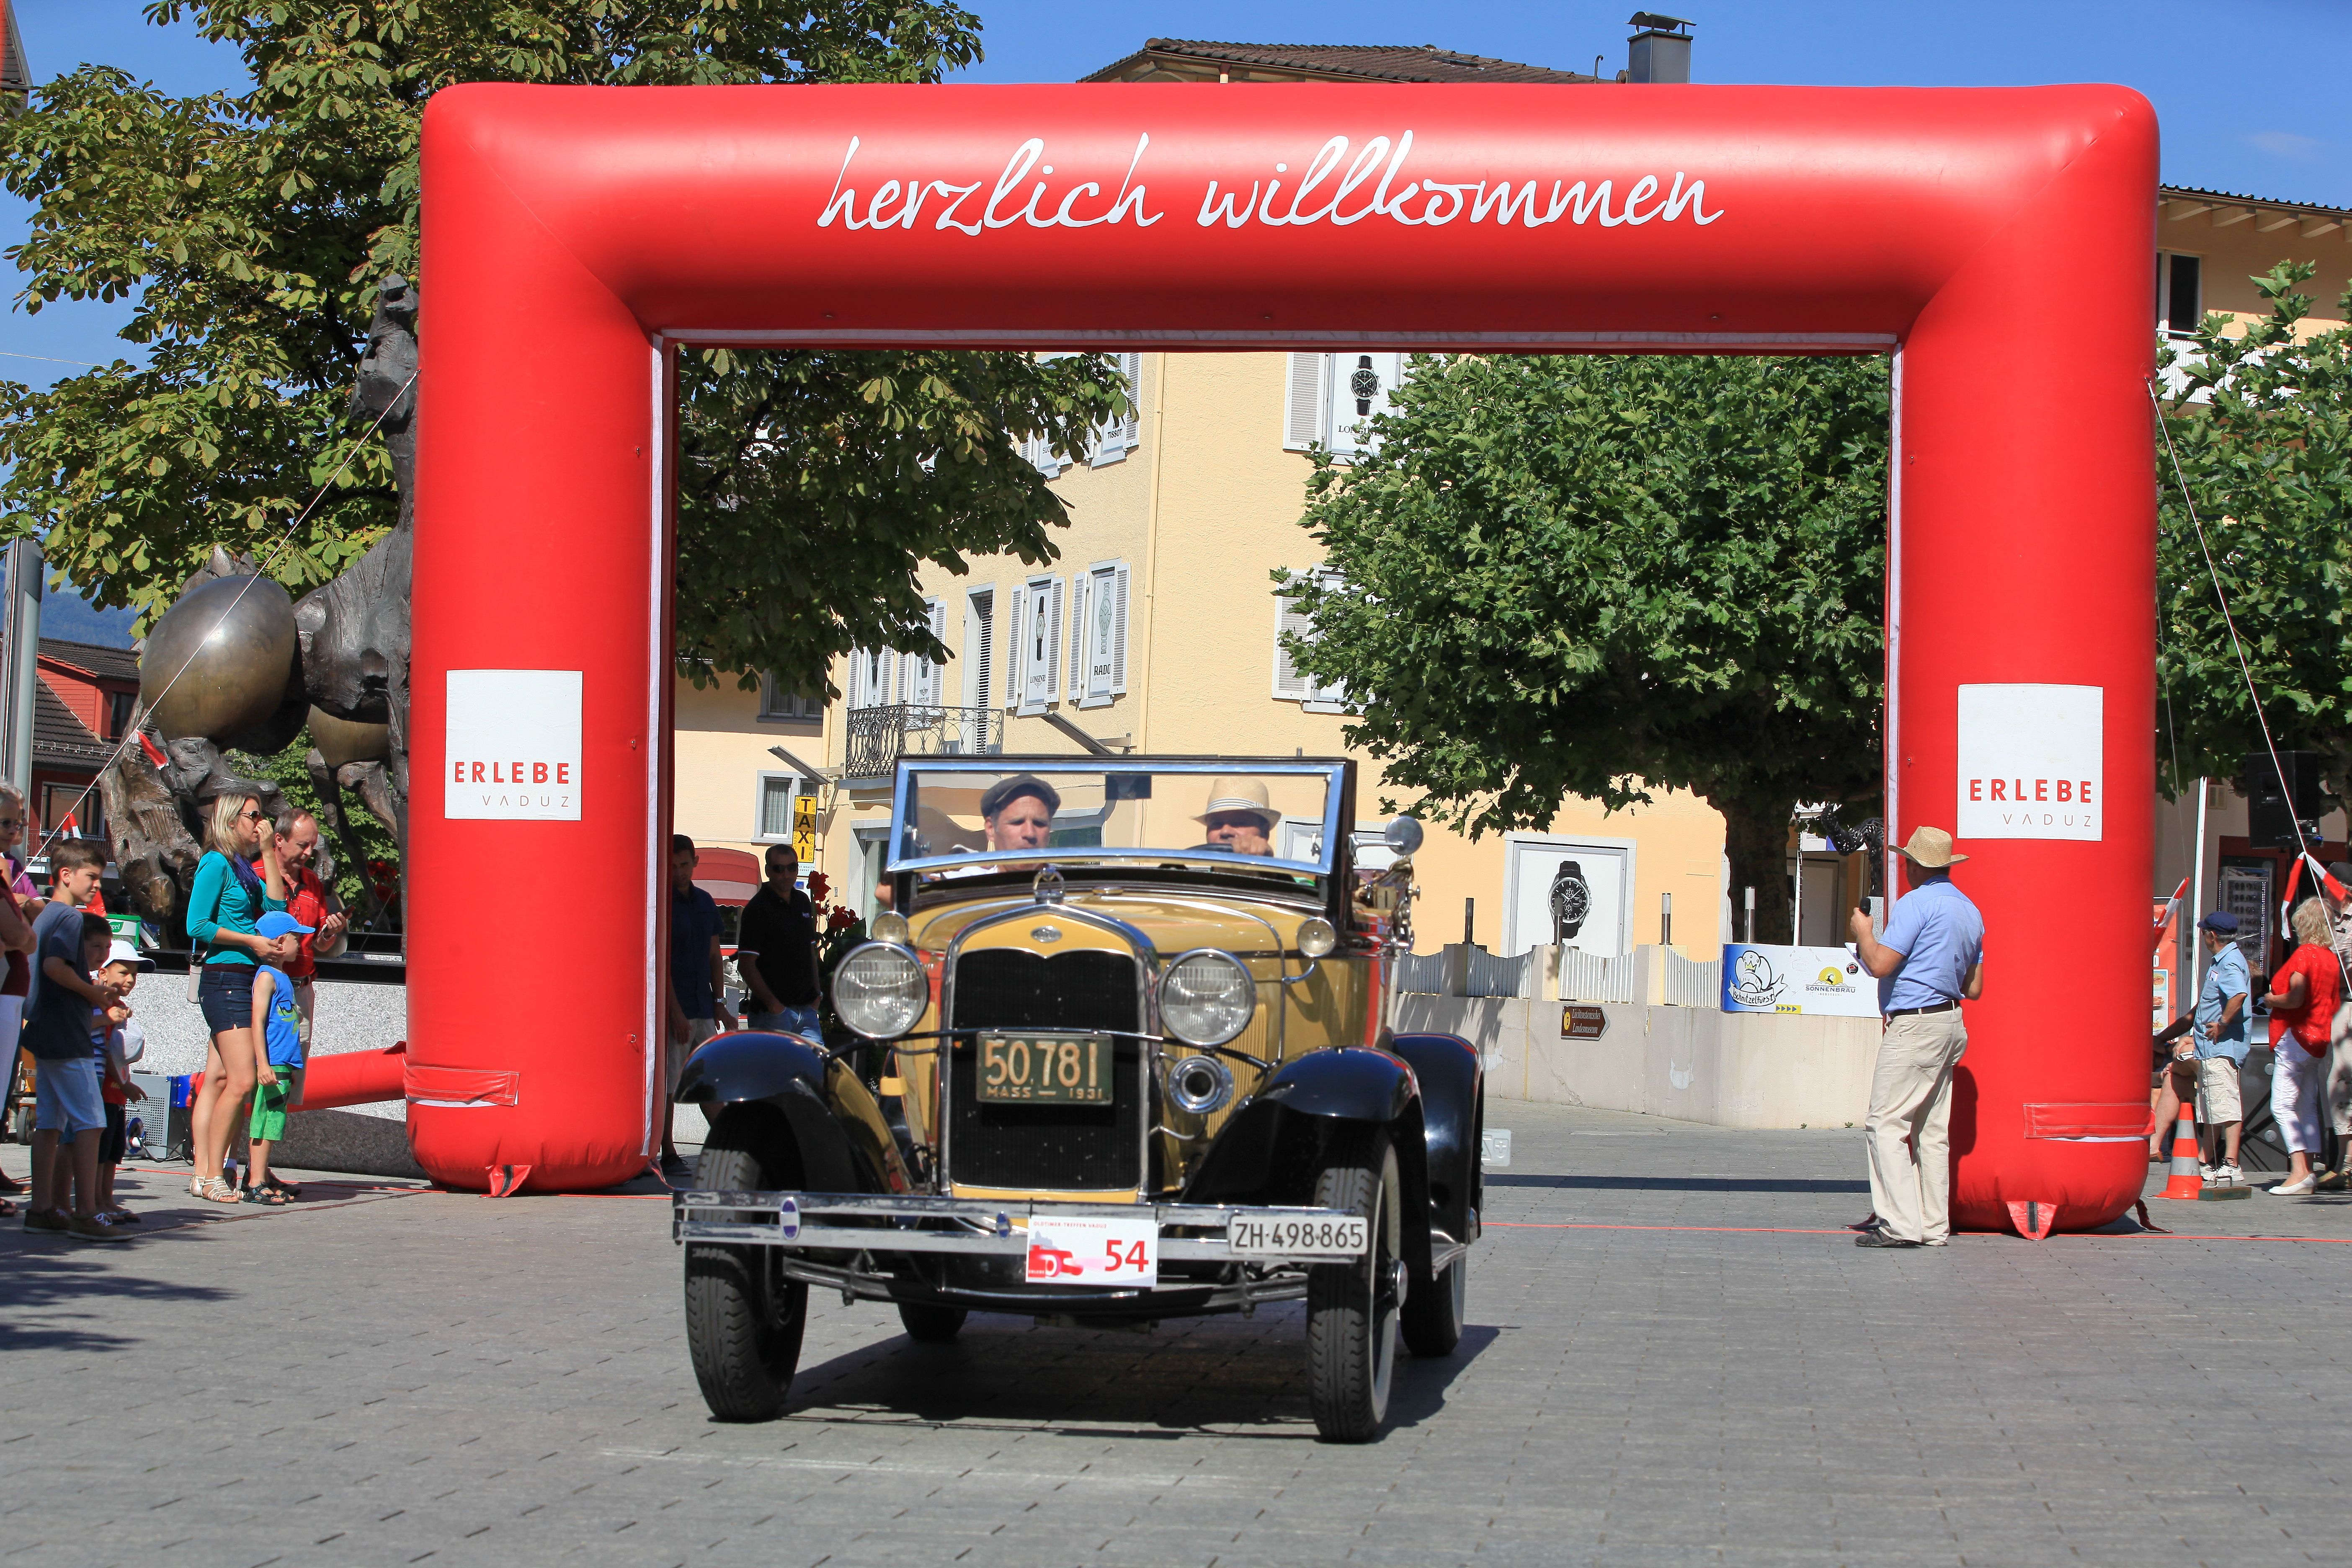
pixel 1930 957
pixel 697 982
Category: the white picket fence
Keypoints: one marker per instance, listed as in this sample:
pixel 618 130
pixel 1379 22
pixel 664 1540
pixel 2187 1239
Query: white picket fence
pixel 1589 977
pixel 1492 976
pixel 1689 983
pixel 1423 974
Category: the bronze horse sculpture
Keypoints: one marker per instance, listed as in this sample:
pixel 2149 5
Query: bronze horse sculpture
pixel 239 664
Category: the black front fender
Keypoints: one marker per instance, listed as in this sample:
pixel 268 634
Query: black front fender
pixel 1270 1150
pixel 1453 1109
pixel 845 1145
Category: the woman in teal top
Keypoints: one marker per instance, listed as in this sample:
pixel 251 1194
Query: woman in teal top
pixel 229 898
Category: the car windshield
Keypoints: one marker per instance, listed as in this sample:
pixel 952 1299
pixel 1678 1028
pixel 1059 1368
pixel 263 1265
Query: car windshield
pixel 968 819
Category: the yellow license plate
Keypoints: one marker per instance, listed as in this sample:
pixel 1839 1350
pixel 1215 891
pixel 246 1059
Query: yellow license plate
pixel 1045 1070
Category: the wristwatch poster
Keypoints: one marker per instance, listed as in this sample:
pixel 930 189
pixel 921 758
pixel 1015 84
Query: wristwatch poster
pixel 1571 900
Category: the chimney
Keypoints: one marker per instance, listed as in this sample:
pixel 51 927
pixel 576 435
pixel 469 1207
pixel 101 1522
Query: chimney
pixel 1660 51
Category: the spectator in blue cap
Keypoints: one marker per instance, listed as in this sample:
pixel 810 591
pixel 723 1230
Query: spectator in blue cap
pixel 277 1064
pixel 2205 1065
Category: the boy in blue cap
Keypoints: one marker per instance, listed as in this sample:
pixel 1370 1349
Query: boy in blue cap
pixel 2205 1065
pixel 277 1070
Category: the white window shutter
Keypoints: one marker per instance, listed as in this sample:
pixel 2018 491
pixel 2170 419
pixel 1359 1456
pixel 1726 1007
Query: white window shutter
pixel 854 694
pixel 1304 394
pixel 1290 684
pixel 1119 634
pixel 1079 621
pixel 1053 644
pixel 1131 429
pixel 924 685
pixel 891 693
pixel 1013 661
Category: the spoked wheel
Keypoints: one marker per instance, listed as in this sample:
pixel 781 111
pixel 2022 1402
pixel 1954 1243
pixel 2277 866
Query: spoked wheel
pixel 1433 1317
pixel 1352 1308
pixel 931 1325
pixel 743 1319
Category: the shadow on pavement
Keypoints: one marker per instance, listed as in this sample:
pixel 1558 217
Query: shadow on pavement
pixel 1238 1377
pixel 50 1275
pixel 1683 1183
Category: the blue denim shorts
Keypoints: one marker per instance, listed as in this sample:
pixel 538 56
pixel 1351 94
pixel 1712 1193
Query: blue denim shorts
pixel 225 991
pixel 787 1020
pixel 65 1099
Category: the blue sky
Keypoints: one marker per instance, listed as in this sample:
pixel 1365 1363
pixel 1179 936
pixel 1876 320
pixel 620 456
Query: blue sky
pixel 2245 102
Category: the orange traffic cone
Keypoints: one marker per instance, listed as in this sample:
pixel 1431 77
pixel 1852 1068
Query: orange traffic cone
pixel 2185 1181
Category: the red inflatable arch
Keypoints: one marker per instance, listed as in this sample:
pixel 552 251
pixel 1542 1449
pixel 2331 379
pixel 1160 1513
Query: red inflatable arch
pixel 576 237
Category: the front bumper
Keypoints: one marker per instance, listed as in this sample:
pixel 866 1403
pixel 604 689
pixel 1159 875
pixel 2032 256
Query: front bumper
pixel 969 1252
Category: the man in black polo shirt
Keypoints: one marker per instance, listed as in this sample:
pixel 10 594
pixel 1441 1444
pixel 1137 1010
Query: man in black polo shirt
pixel 775 950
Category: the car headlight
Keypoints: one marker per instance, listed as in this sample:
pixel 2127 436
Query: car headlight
pixel 1206 997
pixel 879 991
pixel 1318 936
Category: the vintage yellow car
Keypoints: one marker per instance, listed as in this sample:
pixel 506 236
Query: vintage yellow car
pixel 1140 1065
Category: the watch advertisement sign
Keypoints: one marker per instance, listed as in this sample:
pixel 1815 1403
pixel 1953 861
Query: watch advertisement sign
pixel 1818 981
pixel 513 745
pixel 2031 762
pixel 1566 892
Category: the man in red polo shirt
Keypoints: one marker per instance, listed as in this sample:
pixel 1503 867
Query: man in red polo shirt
pixel 308 900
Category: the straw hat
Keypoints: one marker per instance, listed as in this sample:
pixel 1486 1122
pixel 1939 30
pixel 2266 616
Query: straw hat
pixel 1239 794
pixel 1931 848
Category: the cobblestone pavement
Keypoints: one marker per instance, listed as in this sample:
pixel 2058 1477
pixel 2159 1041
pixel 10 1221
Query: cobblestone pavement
pixel 388 1375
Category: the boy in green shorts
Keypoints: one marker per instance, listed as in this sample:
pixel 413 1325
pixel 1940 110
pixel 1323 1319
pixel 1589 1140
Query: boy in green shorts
pixel 278 1072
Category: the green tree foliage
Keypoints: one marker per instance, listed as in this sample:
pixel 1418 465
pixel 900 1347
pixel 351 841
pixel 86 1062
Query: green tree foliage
pixel 2263 426
pixel 250 230
pixel 1601 576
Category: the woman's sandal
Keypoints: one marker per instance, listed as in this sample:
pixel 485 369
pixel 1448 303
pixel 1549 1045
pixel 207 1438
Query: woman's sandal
pixel 217 1191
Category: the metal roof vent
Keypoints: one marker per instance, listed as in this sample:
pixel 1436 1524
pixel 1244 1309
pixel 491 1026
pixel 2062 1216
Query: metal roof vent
pixel 1660 51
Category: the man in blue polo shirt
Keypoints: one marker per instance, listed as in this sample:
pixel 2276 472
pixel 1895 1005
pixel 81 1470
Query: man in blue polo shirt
pixel 2206 1065
pixel 1931 958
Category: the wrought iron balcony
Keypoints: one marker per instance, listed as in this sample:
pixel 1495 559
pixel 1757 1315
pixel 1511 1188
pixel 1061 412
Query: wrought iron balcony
pixel 878 737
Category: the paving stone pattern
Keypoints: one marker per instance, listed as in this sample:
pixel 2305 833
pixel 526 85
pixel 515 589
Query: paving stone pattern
pixel 385 1374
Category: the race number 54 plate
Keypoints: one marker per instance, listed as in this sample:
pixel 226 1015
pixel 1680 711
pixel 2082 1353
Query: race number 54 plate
pixel 1298 1236
pixel 1093 1251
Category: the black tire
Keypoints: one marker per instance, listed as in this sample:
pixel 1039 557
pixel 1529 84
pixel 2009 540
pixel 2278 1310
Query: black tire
pixel 930 1325
pixel 743 1319
pixel 1433 1317
pixel 1351 1308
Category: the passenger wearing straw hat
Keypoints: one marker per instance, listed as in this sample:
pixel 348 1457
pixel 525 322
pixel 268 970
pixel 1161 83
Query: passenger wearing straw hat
pixel 1239 819
pixel 1929 959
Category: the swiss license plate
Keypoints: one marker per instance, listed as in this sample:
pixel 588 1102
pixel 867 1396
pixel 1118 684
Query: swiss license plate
pixel 1294 1235
pixel 1089 1251
pixel 1045 1070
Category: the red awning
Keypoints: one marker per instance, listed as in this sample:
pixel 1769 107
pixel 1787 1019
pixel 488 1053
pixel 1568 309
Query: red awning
pixel 730 875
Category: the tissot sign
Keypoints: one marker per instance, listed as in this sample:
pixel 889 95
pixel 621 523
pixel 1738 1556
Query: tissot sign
pixel 2031 762
pixel 1376 182
pixel 514 744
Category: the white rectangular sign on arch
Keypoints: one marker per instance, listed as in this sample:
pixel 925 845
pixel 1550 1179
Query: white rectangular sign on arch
pixel 513 745
pixel 2031 762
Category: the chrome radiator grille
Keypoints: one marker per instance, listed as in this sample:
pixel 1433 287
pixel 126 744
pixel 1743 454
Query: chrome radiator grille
pixel 1046 1146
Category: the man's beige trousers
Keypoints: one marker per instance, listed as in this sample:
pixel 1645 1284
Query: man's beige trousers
pixel 1910 1125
